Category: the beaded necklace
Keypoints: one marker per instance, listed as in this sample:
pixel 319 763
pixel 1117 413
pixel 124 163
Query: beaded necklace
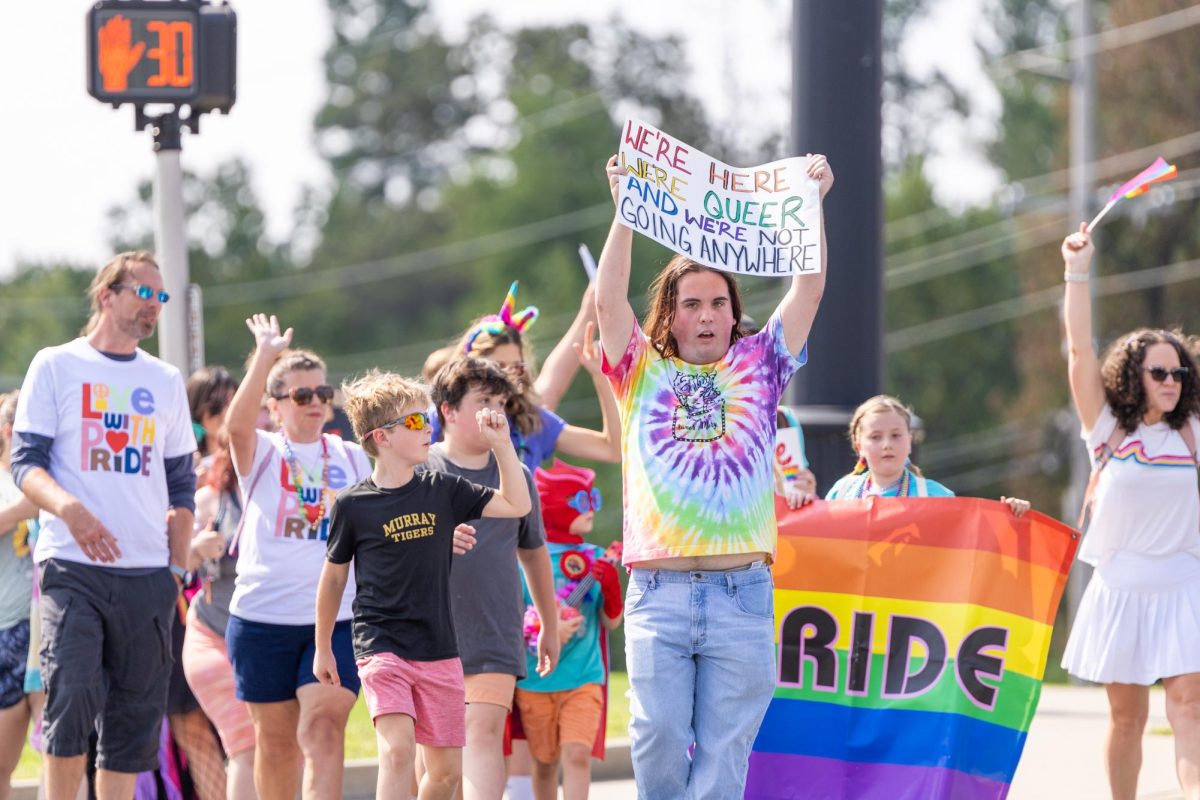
pixel 314 514
pixel 864 486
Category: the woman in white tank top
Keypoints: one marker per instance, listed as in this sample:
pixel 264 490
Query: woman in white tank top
pixel 1139 620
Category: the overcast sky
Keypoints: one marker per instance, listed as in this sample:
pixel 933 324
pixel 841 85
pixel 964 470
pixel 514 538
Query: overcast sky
pixel 65 159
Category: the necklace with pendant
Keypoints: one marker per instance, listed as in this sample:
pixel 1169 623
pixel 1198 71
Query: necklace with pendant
pixel 313 513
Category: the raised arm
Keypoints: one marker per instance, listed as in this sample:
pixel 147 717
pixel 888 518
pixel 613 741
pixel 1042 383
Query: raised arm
pixel 613 311
pixel 559 368
pixel 1083 367
pixel 512 498
pixel 605 444
pixel 243 409
pixel 799 306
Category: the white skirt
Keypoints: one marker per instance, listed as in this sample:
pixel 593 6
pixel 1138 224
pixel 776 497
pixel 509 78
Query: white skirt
pixel 1139 621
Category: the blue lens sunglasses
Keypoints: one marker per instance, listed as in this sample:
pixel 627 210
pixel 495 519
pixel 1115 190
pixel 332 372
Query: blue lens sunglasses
pixel 142 291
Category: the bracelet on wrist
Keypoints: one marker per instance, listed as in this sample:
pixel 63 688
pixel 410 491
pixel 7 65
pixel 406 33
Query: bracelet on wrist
pixel 1076 277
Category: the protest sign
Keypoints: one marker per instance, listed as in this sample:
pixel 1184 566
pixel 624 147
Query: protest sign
pixel 763 220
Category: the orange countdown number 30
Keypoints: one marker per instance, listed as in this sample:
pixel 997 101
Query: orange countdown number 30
pixel 173 37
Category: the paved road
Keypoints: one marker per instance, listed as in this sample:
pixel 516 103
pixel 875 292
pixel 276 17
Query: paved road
pixel 1063 756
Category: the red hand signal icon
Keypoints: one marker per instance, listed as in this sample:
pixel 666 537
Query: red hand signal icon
pixel 118 54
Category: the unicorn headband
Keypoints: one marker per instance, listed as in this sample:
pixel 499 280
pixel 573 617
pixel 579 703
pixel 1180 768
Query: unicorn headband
pixel 494 324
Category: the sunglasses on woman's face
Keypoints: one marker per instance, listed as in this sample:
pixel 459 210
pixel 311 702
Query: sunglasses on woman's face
pixel 303 395
pixel 1159 374
pixel 584 502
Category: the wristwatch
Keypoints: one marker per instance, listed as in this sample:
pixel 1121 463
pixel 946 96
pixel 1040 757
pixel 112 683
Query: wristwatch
pixel 180 572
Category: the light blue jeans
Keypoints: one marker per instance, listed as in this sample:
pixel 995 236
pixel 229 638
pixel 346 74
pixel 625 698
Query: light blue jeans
pixel 700 649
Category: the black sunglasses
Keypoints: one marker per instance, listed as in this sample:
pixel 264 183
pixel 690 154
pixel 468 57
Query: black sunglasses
pixel 303 395
pixel 1159 374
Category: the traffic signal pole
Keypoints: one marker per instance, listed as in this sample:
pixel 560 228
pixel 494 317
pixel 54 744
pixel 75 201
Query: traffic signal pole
pixel 181 54
pixel 837 80
pixel 170 241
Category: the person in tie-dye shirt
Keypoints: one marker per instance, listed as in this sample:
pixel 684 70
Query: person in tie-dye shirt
pixel 698 402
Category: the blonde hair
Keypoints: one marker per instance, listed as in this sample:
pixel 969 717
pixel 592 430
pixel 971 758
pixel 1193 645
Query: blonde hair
pixel 879 404
pixel 115 271
pixel 378 398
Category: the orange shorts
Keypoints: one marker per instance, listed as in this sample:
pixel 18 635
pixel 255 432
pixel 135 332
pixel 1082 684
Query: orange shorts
pixel 491 687
pixel 552 719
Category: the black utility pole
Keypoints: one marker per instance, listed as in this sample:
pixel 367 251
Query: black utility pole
pixel 837 78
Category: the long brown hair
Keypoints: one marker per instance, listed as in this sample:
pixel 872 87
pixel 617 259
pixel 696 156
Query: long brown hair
pixel 664 292
pixel 115 271
pixel 1122 375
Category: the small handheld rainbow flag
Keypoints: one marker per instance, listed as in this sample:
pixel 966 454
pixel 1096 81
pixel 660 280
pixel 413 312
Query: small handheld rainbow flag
pixel 1159 171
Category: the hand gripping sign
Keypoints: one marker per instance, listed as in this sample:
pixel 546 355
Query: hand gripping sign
pixel 763 220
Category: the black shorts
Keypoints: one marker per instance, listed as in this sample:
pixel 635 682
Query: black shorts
pixel 106 660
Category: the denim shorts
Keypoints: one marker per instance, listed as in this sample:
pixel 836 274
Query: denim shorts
pixel 270 662
pixel 14 653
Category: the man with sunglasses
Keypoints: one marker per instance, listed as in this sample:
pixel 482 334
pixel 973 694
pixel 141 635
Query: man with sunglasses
pixel 104 446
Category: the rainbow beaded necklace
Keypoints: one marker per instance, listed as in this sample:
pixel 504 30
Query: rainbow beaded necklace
pixel 313 514
pixel 862 487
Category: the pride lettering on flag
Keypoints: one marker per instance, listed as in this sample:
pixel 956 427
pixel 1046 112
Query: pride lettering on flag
pixel 912 639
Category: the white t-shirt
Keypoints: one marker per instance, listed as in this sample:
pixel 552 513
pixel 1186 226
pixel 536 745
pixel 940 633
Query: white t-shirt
pixel 114 423
pixel 1146 499
pixel 279 557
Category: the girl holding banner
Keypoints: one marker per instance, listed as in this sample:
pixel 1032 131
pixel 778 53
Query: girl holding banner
pixel 1138 620
pixel 881 433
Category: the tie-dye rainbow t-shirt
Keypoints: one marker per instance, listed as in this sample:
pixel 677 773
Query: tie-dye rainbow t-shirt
pixel 697 442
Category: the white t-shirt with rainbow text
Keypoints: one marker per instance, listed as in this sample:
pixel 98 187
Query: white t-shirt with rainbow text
pixel 114 424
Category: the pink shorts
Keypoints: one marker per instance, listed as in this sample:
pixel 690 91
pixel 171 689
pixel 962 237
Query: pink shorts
pixel 431 692
pixel 208 671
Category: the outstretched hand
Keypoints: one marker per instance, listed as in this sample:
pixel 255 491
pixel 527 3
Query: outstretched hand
pixel 267 338
pixel 1077 250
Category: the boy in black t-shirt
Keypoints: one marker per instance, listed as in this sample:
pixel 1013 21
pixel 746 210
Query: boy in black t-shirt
pixel 398 527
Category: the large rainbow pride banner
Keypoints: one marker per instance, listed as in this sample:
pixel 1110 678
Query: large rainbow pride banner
pixel 912 638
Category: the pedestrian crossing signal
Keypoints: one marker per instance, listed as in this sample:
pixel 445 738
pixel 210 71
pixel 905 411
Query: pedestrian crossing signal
pixel 183 53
